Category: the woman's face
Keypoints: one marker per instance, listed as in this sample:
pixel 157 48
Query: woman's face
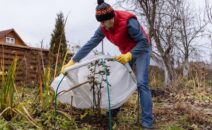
pixel 108 24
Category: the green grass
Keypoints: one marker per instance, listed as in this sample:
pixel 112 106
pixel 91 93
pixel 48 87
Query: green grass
pixel 7 93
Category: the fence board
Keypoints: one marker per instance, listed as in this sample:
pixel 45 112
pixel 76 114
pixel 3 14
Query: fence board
pixel 30 62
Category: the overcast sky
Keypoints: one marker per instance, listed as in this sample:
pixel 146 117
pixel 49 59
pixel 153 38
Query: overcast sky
pixel 34 20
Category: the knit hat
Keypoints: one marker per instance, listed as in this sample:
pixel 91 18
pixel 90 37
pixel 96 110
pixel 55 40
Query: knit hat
pixel 104 11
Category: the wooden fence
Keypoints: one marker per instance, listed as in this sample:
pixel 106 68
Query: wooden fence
pixel 31 62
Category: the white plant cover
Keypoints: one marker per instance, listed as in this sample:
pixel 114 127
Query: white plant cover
pixel 121 79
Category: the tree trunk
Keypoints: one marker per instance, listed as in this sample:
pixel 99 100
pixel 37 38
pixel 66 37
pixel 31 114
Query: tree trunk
pixel 167 76
pixel 185 68
pixel 168 71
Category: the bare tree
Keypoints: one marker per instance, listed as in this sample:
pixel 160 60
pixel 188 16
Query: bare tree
pixel 190 27
pixel 208 8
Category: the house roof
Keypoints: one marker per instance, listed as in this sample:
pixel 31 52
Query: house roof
pixel 5 32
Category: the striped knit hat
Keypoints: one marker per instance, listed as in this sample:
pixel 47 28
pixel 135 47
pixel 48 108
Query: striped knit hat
pixel 104 11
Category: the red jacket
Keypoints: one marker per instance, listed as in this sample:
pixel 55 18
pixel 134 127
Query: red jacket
pixel 119 35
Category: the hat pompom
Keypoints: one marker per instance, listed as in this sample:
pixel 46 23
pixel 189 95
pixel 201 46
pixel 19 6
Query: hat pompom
pixel 100 2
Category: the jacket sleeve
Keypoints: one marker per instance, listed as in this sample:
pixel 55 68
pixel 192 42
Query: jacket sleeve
pixel 136 33
pixel 92 43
